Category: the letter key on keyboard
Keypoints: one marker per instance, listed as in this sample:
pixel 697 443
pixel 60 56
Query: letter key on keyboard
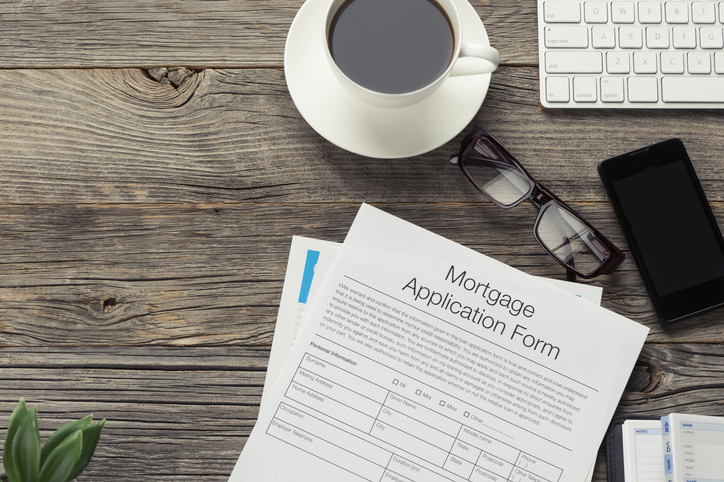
pixel 631 54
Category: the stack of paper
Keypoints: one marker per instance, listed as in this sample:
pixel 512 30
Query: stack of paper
pixel 420 360
pixel 693 447
pixel 642 454
pixel 675 448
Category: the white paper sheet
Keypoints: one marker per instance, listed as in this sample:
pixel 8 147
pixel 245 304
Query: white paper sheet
pixel 400 374
pixel 692 447
pixel 642 451
pixel 309 261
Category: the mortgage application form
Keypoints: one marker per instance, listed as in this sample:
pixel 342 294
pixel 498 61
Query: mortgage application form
pixel 421 360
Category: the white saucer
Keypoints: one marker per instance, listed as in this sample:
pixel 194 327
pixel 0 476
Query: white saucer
pixel 364 129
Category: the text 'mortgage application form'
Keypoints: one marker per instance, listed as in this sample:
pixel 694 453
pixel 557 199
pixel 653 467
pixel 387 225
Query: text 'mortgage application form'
pixel 421 360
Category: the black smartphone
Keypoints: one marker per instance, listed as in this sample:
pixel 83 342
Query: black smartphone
pixel 669 226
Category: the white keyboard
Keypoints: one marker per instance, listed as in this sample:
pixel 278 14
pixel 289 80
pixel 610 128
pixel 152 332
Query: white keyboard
pixel 647 54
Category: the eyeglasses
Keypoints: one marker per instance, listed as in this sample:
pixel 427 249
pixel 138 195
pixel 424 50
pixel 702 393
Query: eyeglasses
pixel 561 232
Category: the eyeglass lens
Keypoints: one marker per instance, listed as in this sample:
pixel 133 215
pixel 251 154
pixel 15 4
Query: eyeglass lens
pixel 498 180
pixel 561 232
pixel 570 240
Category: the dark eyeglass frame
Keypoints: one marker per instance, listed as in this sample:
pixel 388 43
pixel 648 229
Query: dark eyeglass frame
pixel 541 197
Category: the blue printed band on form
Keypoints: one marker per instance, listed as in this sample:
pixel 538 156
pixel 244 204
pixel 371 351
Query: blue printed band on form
pixel 308 276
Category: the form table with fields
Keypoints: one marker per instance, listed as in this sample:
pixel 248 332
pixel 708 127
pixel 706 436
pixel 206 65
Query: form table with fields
pixel 380 435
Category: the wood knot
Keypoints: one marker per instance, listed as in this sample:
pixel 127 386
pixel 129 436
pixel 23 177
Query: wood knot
pixel 644 378
pixel 109 304
pixel 105 305
pixel 170 75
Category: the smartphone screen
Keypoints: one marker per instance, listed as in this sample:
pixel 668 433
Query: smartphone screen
pixel 670 228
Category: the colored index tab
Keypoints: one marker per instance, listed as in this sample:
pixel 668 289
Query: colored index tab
pixel 308 275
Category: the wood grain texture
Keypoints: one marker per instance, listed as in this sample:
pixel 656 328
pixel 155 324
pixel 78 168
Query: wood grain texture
pixel 144 229
pixel 71 34
pixel 116 136
pixel 194 33
pixel 186 412
pixel 198 275
pixel 138 218
pixel 172 413
pixel 686 378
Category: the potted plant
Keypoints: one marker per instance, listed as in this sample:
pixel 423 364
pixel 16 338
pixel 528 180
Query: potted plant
pixel 63 456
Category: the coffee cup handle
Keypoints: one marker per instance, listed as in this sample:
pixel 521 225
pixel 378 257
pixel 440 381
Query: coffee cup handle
pixel 467 63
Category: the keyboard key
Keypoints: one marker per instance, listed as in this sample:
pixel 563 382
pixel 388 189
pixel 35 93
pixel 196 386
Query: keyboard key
pixel 562 12
pixel 672 62
pixel 649 12
pixel 657 37
pixel 595 12
pixel 677 12
pixel 703 12
pixel 584 89
pixel 719 62
pixel 557 89
pixel 617 63
pixel 566 37
pixel 684 37
pixel 603 37
pixel 612 89
pixel 644 62
pixel 711 38
pixel 573 62
pixel 643 89
pixel 698 62
pixel 622 12
pixel 692 89
pixel 632 53
pixel 630 37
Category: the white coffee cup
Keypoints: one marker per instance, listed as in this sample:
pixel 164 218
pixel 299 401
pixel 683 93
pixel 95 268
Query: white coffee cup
pixel 467 59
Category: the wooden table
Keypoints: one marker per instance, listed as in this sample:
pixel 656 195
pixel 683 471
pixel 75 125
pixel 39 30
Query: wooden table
pixel 144 227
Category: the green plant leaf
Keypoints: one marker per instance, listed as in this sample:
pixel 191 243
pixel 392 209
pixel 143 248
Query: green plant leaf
pixel 19 414
pixel 62 459
pixel 61 434
pixel 26 448
pixel 91 434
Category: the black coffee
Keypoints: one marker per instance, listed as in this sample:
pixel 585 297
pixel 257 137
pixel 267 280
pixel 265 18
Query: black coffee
pixel 391 46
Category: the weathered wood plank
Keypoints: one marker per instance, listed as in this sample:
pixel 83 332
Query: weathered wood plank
pixel 159 316
pixel 193 33
pixel 684 378
pixel 116 136
pixel 69 34
pixel 186 412
pixel 195 275
pixel 179 412
pixel 219 358
pixel 57 385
